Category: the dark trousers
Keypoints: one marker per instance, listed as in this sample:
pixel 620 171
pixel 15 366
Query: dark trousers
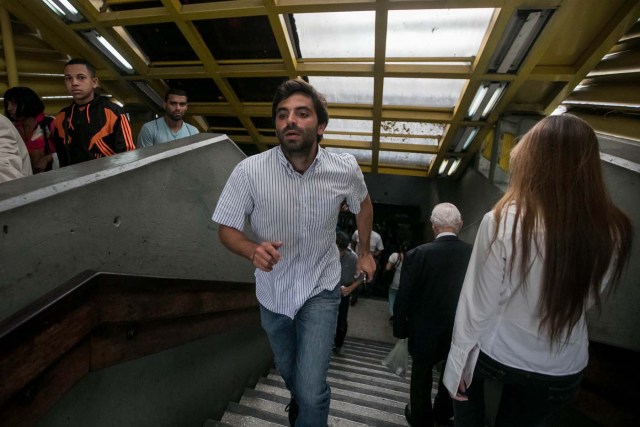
pixel 526 399
pixel 341 328
pixel 422 413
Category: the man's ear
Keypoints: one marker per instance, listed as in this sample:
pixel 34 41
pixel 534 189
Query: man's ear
pixel 321 128
pixel 95 82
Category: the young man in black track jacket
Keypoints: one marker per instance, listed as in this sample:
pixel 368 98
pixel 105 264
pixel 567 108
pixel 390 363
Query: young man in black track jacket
pixel 92 127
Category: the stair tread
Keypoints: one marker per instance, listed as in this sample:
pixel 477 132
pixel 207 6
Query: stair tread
pixel 364 392
pixel 354 409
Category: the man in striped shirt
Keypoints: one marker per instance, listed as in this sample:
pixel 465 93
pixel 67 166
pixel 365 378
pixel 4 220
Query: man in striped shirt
pixel 292 196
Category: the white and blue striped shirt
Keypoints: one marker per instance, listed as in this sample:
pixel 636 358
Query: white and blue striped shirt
pixel 299 210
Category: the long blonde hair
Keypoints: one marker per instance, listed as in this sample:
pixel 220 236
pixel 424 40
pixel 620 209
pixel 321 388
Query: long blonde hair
pixel 556 186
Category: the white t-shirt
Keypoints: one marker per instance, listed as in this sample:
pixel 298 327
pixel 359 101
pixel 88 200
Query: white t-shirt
pixel 375 241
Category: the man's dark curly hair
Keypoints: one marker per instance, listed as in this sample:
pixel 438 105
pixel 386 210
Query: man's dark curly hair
pixel 288 88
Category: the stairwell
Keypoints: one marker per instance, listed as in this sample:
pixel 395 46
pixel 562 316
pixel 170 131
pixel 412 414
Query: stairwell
pixel 363 392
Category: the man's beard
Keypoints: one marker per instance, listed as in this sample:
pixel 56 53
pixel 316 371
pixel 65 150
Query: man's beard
pixel 175 117
pixel 308 138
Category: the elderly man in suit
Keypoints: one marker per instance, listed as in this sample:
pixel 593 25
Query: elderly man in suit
pixel 425 308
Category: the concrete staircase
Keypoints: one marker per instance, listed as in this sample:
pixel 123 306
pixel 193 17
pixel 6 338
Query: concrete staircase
pixel 363 393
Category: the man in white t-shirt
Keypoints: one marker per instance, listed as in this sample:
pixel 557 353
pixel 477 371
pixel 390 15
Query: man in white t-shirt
pixel 375 243
pixel 171 125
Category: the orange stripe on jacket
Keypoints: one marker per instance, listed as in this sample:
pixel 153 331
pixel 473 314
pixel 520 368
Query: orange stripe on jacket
pixel 107 129
pixel 126 132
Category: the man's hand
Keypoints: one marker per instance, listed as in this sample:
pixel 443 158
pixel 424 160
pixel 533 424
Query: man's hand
pixel 367 264
pixel 461 395
pixel 266 255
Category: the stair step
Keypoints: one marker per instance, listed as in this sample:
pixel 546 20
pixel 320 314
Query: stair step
pixel 344 394
pixel 363 393
pixel 214 423
pixel 245 416
pixel 360 387
pixel 346 407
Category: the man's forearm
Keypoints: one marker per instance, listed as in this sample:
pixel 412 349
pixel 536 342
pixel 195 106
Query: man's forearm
pixel 364 221
pixel 236 241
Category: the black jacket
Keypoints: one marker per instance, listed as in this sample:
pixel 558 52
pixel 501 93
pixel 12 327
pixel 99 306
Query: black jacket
pixel 85 132
pixel 425 307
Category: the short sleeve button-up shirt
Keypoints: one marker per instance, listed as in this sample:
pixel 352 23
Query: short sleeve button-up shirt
pixel 301 210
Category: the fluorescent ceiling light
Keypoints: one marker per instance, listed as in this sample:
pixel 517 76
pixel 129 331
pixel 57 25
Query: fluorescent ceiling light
pixel 108 50
pixel 492 101
pixel 522 30
pixel 485 99
pixel 454 166
pixel 466 135
pixel 114 52
pixel 54 7
pixel 44 98
pixel 64 9
pixel 69 6
pixel 443 166
pixel 475 104
pixel 561 109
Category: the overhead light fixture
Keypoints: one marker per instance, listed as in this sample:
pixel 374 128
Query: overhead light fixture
pixel 149 92
pixel 560 109
pixel 443 166
pixel 464 136
pixel 108 50
pixel 523 28
pixel 454 166
pixel 64 9
pixel 449 166
pixel 485 99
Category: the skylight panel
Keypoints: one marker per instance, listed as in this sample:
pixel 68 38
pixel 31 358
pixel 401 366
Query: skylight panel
pixel 436 32
pixel 422 92
pixel 345 90
pixel 362 156
pixel 420 133
pixel 323 35
pixel 350 130
pixel 411 160
pixel 388 158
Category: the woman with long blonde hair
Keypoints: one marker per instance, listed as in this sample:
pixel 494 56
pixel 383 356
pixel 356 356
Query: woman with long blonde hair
pixel 549 249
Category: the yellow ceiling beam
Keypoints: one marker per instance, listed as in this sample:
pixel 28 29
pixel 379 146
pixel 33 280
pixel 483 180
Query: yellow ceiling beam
pixel 281 34
pixel 380 51
pixel 201 49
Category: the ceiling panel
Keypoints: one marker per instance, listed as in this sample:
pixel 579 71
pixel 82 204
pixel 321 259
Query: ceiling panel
pixel 403 78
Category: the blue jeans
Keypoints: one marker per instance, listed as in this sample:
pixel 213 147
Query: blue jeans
pixel 527 399
pixel 302 350
pixel 392 300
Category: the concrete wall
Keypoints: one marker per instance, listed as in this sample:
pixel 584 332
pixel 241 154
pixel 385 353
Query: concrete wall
pixel 183 386
pixel 143 212
pixel 619 322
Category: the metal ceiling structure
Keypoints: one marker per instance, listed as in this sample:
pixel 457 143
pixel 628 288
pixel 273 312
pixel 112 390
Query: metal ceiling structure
pixel 388 106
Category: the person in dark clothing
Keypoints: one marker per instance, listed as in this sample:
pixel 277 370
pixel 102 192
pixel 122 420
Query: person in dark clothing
pixel 425 308
pixel 348 284
pixel 92 127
